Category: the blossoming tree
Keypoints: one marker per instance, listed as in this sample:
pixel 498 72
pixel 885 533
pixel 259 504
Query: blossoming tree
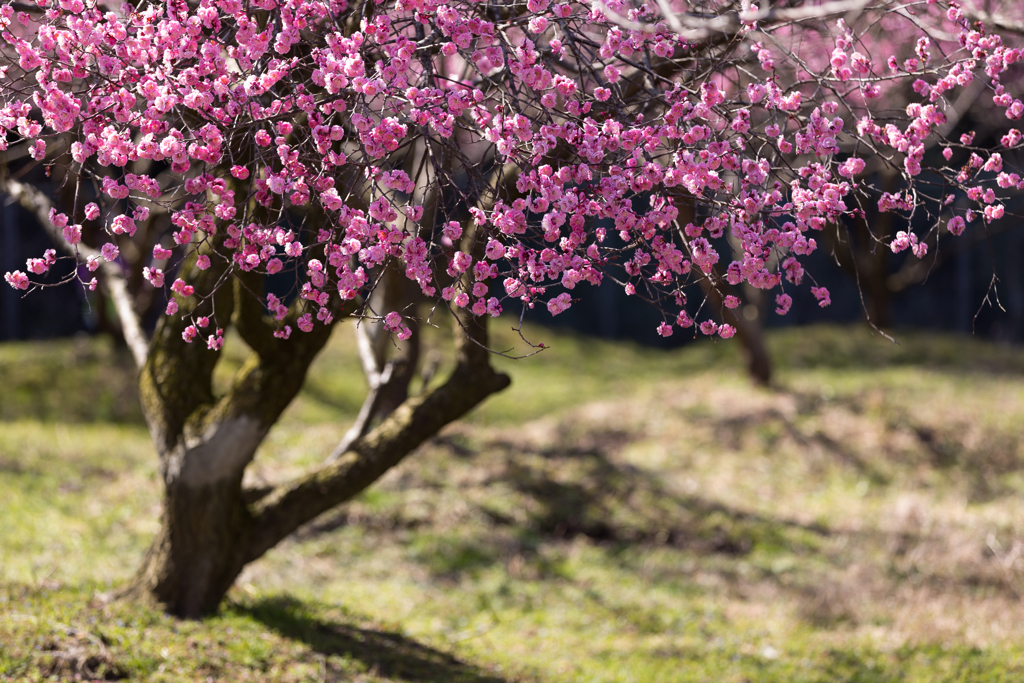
pixel 489 155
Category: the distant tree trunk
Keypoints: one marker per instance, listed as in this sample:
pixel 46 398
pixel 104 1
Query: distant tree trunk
pixel 863 254
pixel 749 329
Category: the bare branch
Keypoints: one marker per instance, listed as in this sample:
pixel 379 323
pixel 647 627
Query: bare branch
pixel 995 21
pixel 694 27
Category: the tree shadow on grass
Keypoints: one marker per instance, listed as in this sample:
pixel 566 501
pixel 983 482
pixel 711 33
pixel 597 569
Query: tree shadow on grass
pixel 583 490
pixel 386 653
pixel 514 498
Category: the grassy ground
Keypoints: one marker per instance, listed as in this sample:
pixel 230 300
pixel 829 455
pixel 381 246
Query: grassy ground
pixel 618 515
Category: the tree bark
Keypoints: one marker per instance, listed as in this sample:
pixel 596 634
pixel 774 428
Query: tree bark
pixel 199 551
pixel 749 331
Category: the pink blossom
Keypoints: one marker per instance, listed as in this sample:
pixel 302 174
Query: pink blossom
pixel 993 213
pixel 154 276
pixel 181 289
pixel 783 302
pixel 822 295
pixel 493 307
pixel 37 266
pixel 851 167
pixel 17 279
pixel 123 225
pixel 495 250
pixel 38 150
pixel 560 303
pixel 708 327
pixel 453 230
pixel 73 234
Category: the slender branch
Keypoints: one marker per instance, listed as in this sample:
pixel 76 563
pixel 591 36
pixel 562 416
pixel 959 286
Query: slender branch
pixel 995 21
pixel 35 201
pixel 370 407
pixel 695 27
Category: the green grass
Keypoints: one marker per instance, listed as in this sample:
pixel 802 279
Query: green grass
pixel 619 514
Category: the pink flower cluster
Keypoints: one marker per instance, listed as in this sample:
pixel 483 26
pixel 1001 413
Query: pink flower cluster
pixel 573 139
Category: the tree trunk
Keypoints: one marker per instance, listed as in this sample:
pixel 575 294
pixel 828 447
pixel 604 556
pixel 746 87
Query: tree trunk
pixel 199 551
pixel 211 526
pixel 750 331
pixel 862 252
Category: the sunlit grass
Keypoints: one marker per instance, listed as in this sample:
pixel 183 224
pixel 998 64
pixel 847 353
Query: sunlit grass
pixel 618 514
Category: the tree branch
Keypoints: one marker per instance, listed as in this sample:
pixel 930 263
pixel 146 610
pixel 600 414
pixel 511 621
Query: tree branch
pixel 290 505
pixel 35 201
pixel 694 27
pixel 995 21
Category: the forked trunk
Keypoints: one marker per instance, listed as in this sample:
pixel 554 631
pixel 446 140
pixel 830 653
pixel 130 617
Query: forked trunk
pixel 211 527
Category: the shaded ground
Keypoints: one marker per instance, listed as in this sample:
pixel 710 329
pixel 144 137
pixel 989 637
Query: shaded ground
pixel 620 515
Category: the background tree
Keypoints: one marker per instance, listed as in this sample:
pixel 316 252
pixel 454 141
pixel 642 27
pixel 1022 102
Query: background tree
pixel 281 166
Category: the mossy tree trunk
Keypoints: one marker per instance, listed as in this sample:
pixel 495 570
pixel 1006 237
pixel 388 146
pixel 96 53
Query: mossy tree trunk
pixel 211 525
